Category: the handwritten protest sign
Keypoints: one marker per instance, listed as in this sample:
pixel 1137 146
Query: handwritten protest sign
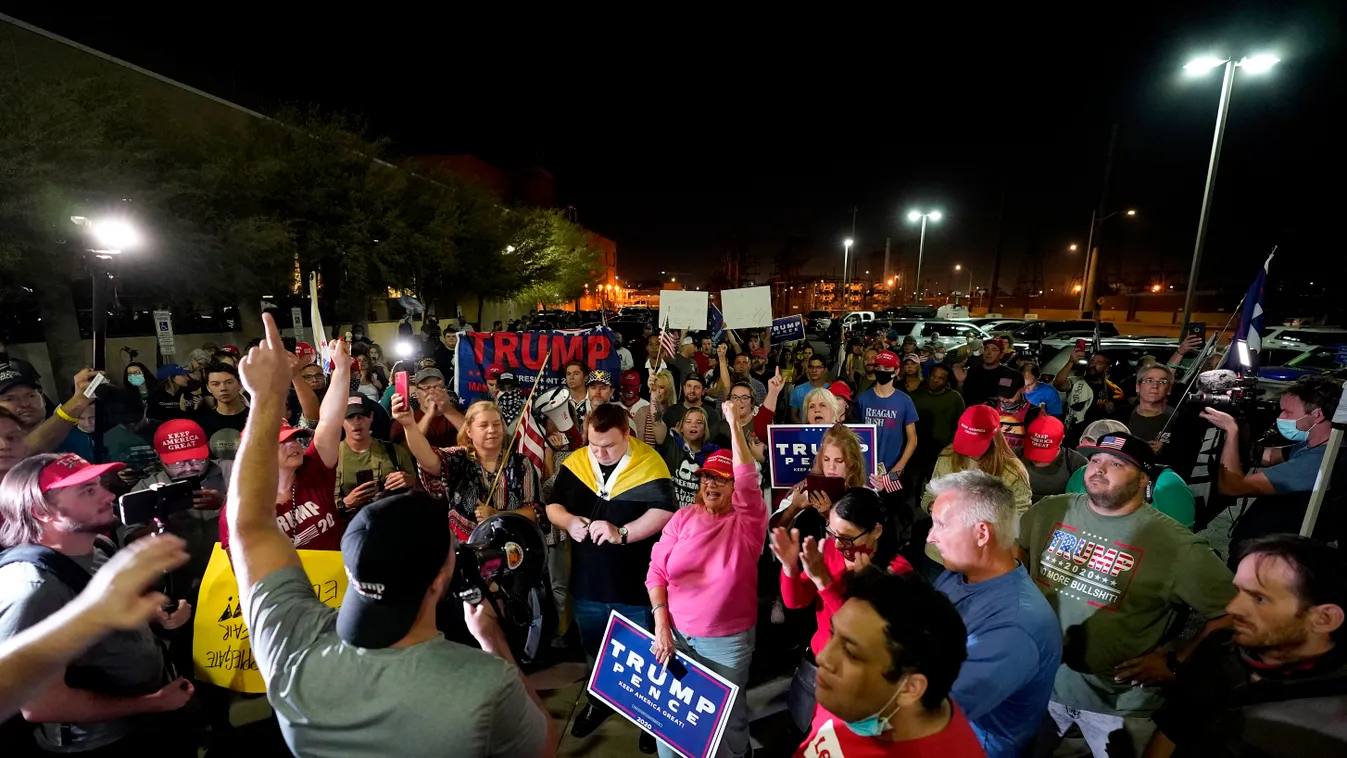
pixel 747 306
pixel 680 309
pixel 685 705
pixel 221 651
pixel 793 447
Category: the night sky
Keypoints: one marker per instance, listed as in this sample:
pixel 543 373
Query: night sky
pixel 681 138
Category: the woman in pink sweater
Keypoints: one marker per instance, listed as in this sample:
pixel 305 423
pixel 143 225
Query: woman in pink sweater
pixel 703 578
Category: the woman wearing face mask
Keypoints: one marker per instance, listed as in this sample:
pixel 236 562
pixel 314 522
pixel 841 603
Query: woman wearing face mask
pixel 137 376
pixel 703 578
pixel 814 574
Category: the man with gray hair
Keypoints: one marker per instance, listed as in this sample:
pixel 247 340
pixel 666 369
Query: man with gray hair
pixel 1014 644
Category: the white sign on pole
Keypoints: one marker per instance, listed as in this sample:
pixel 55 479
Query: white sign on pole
pixel 746 307
pixel 680 309
pixel 163 327
pixel 297 318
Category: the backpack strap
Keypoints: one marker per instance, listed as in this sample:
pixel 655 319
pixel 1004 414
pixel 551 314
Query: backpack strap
pixel 59 565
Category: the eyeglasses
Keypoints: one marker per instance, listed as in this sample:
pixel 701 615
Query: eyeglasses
pixel 714 479
pixel 848 542
pixel 742 398
pixel 1156 382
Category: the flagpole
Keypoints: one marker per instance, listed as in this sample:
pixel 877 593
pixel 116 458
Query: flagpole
pixel 528 404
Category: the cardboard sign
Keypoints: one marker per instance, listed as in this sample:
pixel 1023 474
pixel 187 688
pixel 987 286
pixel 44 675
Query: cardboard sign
pixel 163 327
pixel 747 306
pixel 221 652
pixel 522 354
pixel 788 329
pixel 679 309
pixel 793 447
pixel 688 712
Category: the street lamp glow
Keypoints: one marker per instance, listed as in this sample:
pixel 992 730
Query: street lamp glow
pixel 1072 248
pixel 958 267
pixel 914 215
pixel 1259 63
pixel 112 235
pixel 1131 212
pixel 846 243
pixel 935 215
pixel 1199 66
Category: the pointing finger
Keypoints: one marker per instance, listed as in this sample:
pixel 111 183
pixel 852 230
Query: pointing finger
pixel 272 332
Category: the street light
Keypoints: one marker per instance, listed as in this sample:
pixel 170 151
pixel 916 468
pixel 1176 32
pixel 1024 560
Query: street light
pixel 1198 66
pixel 1092 255
pixel 921 245
pixel 846 257
pixel 1072 247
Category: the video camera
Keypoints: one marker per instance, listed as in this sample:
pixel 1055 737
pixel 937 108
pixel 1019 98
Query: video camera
pixel 1225 390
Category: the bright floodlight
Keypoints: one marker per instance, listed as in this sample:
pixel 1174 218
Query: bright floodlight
pixel 114 234
pixel 405 349
pixel 914 216
pixel 1131 213
pixel 847 243
pixel 1259 63
pixel 935 215
pixel 1072 248
pixel 1202 65
pixel 1243 349
pixel 958 267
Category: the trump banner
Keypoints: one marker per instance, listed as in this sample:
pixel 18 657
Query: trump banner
pixel 222 653
pixel 685 704
pixel 787 329
pixel 522 354
pixel 793 447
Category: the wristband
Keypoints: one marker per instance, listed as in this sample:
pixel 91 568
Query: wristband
pixel 658 606
pixel 66 416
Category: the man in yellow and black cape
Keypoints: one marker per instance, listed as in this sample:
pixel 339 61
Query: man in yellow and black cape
pixel 613 497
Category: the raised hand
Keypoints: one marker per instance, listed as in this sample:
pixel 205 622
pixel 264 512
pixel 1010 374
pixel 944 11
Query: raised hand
pixel 265 370
pixel 811 557
pixel 118 596
pixel 786 547
pixel 775 383
pixel 401 412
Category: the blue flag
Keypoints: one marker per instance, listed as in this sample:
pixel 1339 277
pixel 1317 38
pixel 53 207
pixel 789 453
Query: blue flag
pixel 715 322
pixel 1249 334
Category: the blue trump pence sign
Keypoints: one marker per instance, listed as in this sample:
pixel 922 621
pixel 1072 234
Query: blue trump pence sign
pixel 793 447
pixel 685 705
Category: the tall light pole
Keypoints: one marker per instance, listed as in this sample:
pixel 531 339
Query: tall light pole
pixel 1087 277
pixel 1255 65
pixel 846 259
pixel 969 291
pixel 921 245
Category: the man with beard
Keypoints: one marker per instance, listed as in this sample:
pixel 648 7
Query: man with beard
pixel 598 390
pixel 694 394
pixel 21 394
pixel 736 369
pixel 1267 685
pixel 980 382
pixel 1120 575
pixel 684 449
pixel 306 505
pixel 1088 398
pixel 892 411
pixel 758 369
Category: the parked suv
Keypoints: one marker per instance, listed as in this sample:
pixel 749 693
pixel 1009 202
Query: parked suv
pixel 951 334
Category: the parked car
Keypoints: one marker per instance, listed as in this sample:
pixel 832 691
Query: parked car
pixel 818 321
pixel 998 325
pixel 854 319
pixel 1125 354
pixel 951 334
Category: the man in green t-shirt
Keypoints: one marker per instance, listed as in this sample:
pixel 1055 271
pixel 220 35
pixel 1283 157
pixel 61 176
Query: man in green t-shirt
pixel 1120 576
pixel 390 466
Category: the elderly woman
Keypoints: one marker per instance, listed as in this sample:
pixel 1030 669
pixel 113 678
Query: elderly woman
pixel 821 406
pixel 703 578
pixel 471 472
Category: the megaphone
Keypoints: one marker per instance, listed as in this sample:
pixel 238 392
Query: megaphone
pixel 555 404
pixel 506 550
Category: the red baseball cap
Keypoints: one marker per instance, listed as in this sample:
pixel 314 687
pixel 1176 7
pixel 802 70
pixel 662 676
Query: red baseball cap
pixel 631 379
pixel 719 464
pixel 181 440
pixel 840 389
pixel 977 425
pixel 1044 439
pixel 290 432
pixel 303 348
pixel 494 372
pixel 70 470
pixel 760 353
pixel 232 350
pixel 887 359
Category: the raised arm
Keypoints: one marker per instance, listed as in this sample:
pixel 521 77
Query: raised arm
pixel 425 454
pixel 308 399
pixel 774 385
pixel 256 544
pixel 327 436
pixel 51 433
pixel 1062 380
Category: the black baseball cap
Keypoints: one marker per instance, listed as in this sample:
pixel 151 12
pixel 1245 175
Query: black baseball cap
pixel 1009 384
pixel 393 549
pixel 359 405
pixel 15 374
pixel 1134 450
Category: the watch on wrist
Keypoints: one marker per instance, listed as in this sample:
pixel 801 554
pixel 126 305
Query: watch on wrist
pixel 622 530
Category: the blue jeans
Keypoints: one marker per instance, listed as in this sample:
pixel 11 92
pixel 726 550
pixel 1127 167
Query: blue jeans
pixel 591 617
pixel 730 657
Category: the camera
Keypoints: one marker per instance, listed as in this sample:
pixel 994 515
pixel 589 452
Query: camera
pixel 156 504
pixel 1225 390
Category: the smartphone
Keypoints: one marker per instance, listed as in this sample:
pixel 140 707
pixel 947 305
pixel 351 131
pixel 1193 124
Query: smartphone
pixel 1080 345
pixel 160 501
pixel 400 386
pixel 364 476
pixel 192 481
pixel 1197 329
pixel 832 486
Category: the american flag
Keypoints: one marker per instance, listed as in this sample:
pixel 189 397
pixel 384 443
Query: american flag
pixel 1112 443
pixel 890 483
pixel 532 438
pixel 1250 329
pixel 667 341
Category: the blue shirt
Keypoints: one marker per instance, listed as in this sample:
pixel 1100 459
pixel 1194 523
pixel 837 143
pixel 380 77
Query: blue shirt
pixel 1014 649
pixel 891 415
pixel 1047 395
pixel 1298 472
pixel 797 395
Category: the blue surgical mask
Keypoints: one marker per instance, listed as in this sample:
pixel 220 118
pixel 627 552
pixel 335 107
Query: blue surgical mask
pixel 136 380
pixel 1287 428
pixel 877 724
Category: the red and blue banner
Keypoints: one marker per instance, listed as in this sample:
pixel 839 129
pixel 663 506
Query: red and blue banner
pixel 792 448
pixel 685 705
pixel 523 353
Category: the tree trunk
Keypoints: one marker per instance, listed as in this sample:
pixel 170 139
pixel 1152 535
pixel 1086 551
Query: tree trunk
pixel 60 329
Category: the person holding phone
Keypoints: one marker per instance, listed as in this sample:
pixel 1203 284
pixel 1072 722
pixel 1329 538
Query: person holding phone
pixel 710 616
pixel 369 468
pixel 839 459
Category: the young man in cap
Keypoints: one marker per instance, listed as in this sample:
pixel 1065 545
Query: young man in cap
pixel 438 418
pixel 21 394
pixel 638 408
pixel 418 694
pixel 1088 398
pixel 1050 465
pixel 682 363
pixel 305 504
pixel 694 396
pixel 1120 575
pixel 981 381
pixel 1267 685
pixel 759 367
pixel 492 379
pixel 163 404
pixel 13 442
pixel 1017 413
pixel 386 468
pixel 892 411
pixel 52 510
pixel 1014 646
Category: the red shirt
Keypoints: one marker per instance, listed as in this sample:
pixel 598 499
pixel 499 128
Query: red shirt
pixel 441 432
pixel 801 591
pixel 830 738
pixel 310 518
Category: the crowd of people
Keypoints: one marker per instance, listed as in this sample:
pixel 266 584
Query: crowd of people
pixel 1018 569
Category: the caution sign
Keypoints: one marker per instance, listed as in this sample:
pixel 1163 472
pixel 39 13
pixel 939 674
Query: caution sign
pixel 221 652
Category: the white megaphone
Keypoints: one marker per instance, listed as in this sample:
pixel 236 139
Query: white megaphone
pixel 555 405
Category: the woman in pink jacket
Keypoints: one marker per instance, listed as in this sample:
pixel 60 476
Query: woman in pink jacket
pixel 703 578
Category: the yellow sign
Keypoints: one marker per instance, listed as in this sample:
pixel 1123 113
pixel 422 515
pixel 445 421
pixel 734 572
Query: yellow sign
pixel 221 652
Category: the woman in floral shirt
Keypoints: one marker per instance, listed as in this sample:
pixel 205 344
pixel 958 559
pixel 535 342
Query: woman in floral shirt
pixel 464 474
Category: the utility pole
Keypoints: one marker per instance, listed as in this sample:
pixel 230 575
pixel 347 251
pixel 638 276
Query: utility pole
pixel 996 265
pixel 1087 302
pixel 887 241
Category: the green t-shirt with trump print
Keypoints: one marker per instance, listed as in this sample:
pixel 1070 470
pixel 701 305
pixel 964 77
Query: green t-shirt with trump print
pixel 1119 586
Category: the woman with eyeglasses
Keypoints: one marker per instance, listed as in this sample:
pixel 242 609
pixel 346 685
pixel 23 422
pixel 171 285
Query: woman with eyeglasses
pixel 703 578
pixel 816 573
